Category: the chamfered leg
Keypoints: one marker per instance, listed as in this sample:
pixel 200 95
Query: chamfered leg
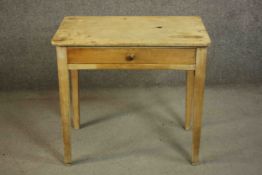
pixel 189 98
pixel 63 77
pixel 75 98
pixel 199 85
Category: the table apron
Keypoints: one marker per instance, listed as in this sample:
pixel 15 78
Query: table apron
pixel 131 58
pixel 131 66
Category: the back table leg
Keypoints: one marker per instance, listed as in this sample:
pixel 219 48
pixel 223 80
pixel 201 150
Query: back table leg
pixel 75 99
pixel 199 84
pixel 63 77
pixel 189 98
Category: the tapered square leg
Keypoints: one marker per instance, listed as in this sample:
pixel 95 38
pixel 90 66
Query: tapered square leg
pixel 189 98
pixel 199 85
pixel 63 77
pixel 75 99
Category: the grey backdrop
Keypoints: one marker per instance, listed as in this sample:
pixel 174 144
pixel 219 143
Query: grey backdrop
pixel 27 59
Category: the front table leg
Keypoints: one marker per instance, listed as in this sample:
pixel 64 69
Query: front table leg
pixel 63 77
pixel 199 85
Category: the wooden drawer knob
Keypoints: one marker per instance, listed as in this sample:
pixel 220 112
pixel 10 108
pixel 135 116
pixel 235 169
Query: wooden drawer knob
pixel 130 57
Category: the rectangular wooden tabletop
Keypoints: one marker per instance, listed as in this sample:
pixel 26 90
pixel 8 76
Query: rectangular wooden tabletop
pixel 132 31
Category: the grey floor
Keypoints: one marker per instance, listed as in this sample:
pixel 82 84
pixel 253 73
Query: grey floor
pixel 133 131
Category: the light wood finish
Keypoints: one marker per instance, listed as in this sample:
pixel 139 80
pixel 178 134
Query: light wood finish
pixel 138 55
pixel 63 77
pixel 75 99
pixel 136 43
pixel 199 84
pixel 189 98
pixel 130 66
pixel 131 31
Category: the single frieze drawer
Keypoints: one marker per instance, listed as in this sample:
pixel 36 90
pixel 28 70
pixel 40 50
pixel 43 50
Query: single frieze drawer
pixel 131 55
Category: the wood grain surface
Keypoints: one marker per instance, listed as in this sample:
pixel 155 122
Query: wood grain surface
pixel 131 31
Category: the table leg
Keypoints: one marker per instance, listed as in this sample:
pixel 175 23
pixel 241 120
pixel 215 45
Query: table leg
pixel 75 98
pixel 199 85
pixel 189 98
pixel 63 77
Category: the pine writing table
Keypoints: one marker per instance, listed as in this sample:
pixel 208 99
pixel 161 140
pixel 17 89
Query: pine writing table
pixel 129 42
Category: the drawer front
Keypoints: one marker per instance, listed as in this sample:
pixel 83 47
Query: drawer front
pixel 131 55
